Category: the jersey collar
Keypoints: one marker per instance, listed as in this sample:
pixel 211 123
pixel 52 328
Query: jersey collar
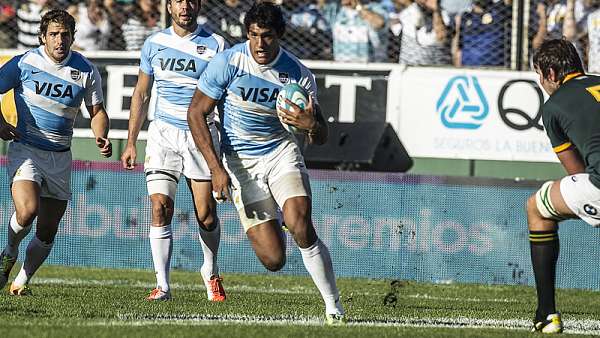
pixel 571 76
pixel 188 36
pixel 42 50
pixel 268 65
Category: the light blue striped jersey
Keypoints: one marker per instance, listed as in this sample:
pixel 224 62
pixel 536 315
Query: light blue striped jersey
pixel 176 64
pixel 249 92
pixel 48 95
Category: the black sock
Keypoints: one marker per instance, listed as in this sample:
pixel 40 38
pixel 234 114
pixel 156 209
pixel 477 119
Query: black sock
pixel 544 255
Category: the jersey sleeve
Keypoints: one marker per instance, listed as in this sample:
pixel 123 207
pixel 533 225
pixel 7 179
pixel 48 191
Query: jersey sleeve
pixel 10 75
pixel 216 77
pixel 93 94
pixel 308 82
pixel 556 134
pixel 145 62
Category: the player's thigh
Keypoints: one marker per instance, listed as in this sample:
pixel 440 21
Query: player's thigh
pixel 194 164
pixel 250 191
pixel 26 198
pixel 577 196
pixel 288 176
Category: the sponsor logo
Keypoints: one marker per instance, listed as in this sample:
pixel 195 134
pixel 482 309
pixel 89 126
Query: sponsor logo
pixel 532 119
pixel 177 65
pixel 259 94
pixel 160 49
pixel 75 74
pixel 53 89
pixel 284 77
pixel 33 72
pixel 462 104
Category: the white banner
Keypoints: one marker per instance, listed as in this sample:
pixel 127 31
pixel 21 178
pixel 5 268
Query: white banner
pixel 472 114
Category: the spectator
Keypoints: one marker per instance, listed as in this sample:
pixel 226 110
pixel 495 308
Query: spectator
pixel 482 34
pixel 309 34
pixel 143 22
pixel 395 28
pixel 117 16
pixel 558 18
pixel 593 29
pixel 228 20
pixel 29 15
pixel 93 26
pixel 7 24
pixel 359 31
pixel 426 34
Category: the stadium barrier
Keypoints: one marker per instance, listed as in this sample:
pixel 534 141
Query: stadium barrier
pixel 377 225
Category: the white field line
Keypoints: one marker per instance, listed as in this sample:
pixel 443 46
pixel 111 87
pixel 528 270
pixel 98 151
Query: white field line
pixel 588 327
pixel 242 288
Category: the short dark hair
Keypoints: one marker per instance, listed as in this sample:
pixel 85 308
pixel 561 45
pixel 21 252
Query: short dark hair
pixel 60 17
pixel 265 14
pixel 559 55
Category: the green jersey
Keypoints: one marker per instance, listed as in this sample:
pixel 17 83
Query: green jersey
pixel 571 117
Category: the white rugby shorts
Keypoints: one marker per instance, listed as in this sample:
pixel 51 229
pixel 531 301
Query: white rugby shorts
pixel 172 149
pixel 51 170
pixel 261 185
pixel 582 197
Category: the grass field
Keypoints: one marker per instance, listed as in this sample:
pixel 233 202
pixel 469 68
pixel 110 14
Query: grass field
pixel 69 302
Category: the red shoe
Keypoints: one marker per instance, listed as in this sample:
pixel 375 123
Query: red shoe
pixel 214 289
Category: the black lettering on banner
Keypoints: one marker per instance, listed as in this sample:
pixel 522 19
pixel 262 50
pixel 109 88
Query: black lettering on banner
pixel 505 112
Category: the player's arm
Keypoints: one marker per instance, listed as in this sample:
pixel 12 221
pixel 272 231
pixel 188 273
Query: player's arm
pixel 318 133
pixel 100 125
pixel 571 160
pixel 138 112
pixel 201 106
pixel 10 75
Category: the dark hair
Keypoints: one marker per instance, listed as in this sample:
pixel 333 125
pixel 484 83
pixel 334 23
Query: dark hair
pixel 60 17
pixel 265 14
pixel 559 55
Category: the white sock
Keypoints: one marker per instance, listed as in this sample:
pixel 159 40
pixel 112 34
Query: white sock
pixel 318 263
pixel 16 233
pixel 209 241
pixel 36 254
pixel 161 242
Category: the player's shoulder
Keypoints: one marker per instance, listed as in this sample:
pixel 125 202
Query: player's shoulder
pixel 80 63
pixel 289 61
pixel 204 33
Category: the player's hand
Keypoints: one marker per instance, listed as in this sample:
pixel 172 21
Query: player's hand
pixel 128 157
pixel 8 131
pixel 105 146
pixel 220 185
pixel 298 117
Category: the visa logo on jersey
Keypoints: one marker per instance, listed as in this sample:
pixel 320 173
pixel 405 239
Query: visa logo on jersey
pixel 177 65
pixel 53 89
pixel 462 104
pixel 259 94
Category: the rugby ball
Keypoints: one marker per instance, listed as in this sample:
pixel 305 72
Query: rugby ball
pixel 296 94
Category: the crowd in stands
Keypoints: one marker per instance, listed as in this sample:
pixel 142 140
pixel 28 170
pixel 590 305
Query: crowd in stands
pixel 413 32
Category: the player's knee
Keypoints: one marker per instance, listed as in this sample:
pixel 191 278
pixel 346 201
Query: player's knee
pixel 26 216
pixel 273 263
pixel 162 211
pixel 208 223
pixel 540 204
